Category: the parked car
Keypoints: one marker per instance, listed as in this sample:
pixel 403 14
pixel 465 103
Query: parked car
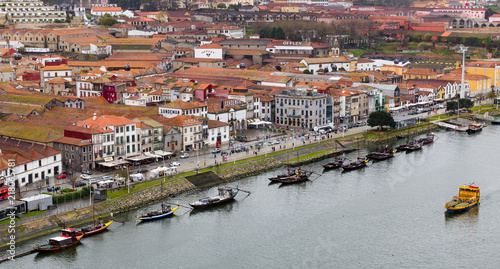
pixel 80 184
pixel 142 170
pixel 184 155
pixel 107 178
pixel 52 188
pixel 93 180
pixel 85 176
pixel 63 175
pixel 175 164
pixel 276 141
pixel 87 172
pixel 215 151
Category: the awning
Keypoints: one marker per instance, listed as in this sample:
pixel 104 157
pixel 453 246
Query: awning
pixel 138 158
pixel 113 163
pixel 162 153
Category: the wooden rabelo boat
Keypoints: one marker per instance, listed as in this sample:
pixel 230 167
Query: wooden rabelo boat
pixel 166 210
pixel 97 227
pixel 414 146
pixel 428 139
pixel 361 162
pixel 381 154
pixel 337 163
pixel 468 197
pixel 299 176
pixel 293 175
pixel 226 194
pixel 69 238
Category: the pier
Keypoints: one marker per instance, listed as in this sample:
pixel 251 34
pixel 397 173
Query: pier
pixel 461 128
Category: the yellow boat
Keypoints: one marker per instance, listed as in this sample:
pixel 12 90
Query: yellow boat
pixel 468 197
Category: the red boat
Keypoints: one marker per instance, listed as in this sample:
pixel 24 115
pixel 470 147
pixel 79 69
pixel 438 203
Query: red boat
pixel 68 239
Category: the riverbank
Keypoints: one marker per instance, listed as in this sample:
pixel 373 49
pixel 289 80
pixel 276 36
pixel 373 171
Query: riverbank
pixel 176 185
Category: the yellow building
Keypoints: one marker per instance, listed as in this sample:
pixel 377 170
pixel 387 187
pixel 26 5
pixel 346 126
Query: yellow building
pixel 290 9
pixel 485 68
pixel 419 73
pixel 478 83
pixel 397 69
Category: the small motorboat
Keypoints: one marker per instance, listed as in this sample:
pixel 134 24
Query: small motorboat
pixel 428 139
pixel 69 238
pixel 475 128
pixel 468 197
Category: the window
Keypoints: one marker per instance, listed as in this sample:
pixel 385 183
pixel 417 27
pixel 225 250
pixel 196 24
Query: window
pixel 128 149
pixel 55 158
pixel 133 138
pixel 84 158
pixel 128 129
pixel 40 163
pixel 128 139
pixel 133 128
pixel 49 171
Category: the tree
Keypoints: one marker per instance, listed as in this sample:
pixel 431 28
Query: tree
pixel 492 94
pixel 452 105
pixel 381 118
pixel 306 72
pixel 223 6
pixel 427 37
pixel 272 34
pixel 465 103
pixel 488 13
pixel 68 20
pixel 262 32
pixel 280 34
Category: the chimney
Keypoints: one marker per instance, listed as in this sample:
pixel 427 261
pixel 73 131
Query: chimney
pixel 95 116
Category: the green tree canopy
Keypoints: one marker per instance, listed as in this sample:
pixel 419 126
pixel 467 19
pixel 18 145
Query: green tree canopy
pixel 263 33
pixel 427 37
pixel 380 118
pixel 221 6
pixel 272 33
pixel 452 105
pixel 466 103
pixel 280 34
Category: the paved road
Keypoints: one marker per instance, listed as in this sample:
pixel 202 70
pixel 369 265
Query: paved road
pixel 203 159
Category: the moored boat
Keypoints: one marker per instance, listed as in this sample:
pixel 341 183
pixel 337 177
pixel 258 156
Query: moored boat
pixel 495 121
pixel 381 154
pixel 361 162
pixel 468 197
pixel 166 210
pixel 97 227
pixel 226 194
pixel 475 127
pixel 299 176
pixel 428 139
pixel 337 163
pixel 66 240
pixel 415 145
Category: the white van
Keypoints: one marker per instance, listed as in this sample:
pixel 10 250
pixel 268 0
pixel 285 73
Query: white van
pixel 136 177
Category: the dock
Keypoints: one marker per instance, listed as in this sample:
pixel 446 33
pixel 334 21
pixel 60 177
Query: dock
pixel 458 128
pixel 18 255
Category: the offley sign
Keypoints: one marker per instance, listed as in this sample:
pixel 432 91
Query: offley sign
pixel 291 43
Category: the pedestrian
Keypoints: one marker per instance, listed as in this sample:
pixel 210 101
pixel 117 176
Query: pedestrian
pixel 215 156
pixel 280 146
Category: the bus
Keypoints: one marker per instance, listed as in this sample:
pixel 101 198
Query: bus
pixel 4 193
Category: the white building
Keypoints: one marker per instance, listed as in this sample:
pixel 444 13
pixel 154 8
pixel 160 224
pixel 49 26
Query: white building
pixel 50 72
pixel 179 107
pixel 98 49
pixel 101 10
pixel 32 162
pixel 136 101
pixel 365 64
pixel 30 11
pixel 217 131
pixel 121 138
pixel 210 51
pixel 331 63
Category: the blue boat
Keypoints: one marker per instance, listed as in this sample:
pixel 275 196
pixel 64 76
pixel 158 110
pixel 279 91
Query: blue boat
pixel 165 211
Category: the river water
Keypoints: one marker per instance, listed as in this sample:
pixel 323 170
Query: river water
pixel 387 215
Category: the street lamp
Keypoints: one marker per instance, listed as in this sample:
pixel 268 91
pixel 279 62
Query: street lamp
pixel 463 50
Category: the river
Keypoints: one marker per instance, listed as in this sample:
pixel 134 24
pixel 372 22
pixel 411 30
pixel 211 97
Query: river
pixel 387 215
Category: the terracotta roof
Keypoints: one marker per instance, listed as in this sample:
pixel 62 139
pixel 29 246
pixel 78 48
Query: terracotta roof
pixel 73 141
pixel 23 152
pixel 103 9
pixel 56 68
pixel 100 123
pixel 58 80
pixel 179 104
pixel 210 46
pixel 181 120
pixel 215 124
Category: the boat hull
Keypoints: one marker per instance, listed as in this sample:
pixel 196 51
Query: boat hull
pixel 350 167
pixel 157 217
pixel 101 229
pixel 332 165
pixel 203 206
pixel 50 248
pixel 460 209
